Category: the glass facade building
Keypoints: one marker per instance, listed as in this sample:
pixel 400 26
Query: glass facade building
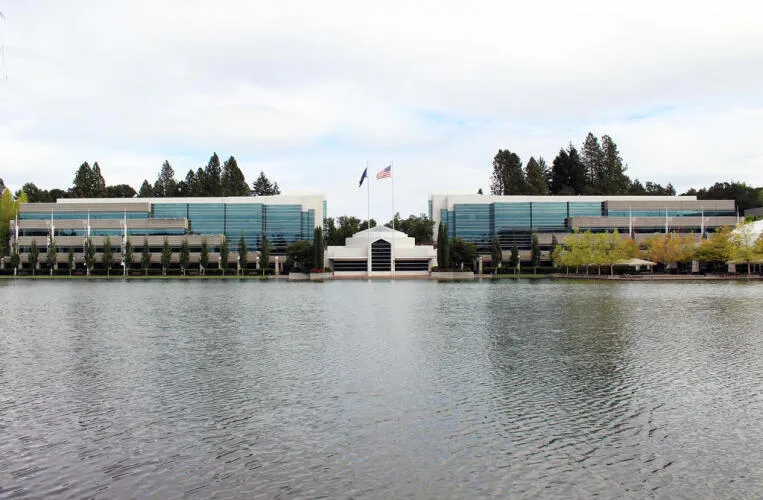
pixel 514 219
pixel 284 219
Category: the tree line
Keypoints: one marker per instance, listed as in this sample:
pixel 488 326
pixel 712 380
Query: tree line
pixel 419 227
pixel 215 179
pixel 596 169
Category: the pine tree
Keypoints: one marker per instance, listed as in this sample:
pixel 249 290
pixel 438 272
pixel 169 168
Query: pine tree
pixel 554 244
pixel 191 184
pixel 508 177
pixel 264 253
pixel 514 259
pixel 212 177
pixel 496 253
pixel 204 256
pixel 224 255
pixel 145 258
pixel 614 179
pixel 568 173
pixel 89 256
pixel 108 255
pixel 15 260
pixel 232 179
pixel 593 159
pixel 318 248
pixel 165 185
pixel 70 260
pixel 83 182
pixel 34 253
pixel 128 256
pixel 146 191
pixel 263 187
pixel 535 178
pixel 535 253
pixel 52 254
pixel 242 254
pixel 166 256
pixel 99 183
pixel 185 256
pixel 445 248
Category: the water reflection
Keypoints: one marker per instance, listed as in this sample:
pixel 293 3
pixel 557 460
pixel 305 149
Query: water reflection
pixel 380 389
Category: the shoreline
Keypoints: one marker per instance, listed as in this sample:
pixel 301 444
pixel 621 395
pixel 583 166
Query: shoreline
pixel 477 277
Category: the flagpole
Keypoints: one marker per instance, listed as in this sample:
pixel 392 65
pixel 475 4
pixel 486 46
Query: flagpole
pixel 392 178
pixel 368 190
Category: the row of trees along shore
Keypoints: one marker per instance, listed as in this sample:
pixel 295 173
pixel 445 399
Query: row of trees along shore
pixel 585 249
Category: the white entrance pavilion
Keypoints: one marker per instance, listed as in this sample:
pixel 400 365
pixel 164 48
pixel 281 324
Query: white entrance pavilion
pixel 380 243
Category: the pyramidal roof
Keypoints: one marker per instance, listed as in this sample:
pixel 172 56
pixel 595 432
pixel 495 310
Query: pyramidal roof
pixel 379 229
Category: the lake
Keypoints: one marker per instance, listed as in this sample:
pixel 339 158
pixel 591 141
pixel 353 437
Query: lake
pixel 381 389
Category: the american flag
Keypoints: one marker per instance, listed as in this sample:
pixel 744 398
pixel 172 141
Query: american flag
pixel 386 172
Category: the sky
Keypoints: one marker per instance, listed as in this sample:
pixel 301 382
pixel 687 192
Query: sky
pixel 308 92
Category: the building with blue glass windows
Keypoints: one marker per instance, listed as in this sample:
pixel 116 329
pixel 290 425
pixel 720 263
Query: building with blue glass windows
pixel 284 219
pixel 515 219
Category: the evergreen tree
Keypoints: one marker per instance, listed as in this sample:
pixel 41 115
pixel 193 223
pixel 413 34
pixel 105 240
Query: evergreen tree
pixel 201 183
pixel 212 173
pixel 546 173
pixel 108 255
pixel 496 253
pixel 2 185
pixel 568 173
pixel 514 259
pixel 83 182
pixel 185 256
pixel 15 260
pixel 128 256
pixel 146 191
pixel 535 253
pixel 99 183
pixel 89 256
pixel 593 159
pixel 614 181
pixel 242 253
pixel 166 258
pixel 52 254
pixel 224 255
pixel 165 185
pixel 554 244
pixel 263 187
pixel 34 253
pixel 445 248
pixel 508 177
pixel 204 256
pixel 318 248
pixel 145 258
pixel 70 260
pixel 439 246
pixel 264 253
pixel 462 252
pixel 232 179
pixel 190 184
pixel 535 178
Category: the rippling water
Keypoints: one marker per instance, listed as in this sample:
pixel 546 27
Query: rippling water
pixel 380 389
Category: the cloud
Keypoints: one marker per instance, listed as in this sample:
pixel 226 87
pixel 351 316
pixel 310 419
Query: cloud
pixel 309 91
